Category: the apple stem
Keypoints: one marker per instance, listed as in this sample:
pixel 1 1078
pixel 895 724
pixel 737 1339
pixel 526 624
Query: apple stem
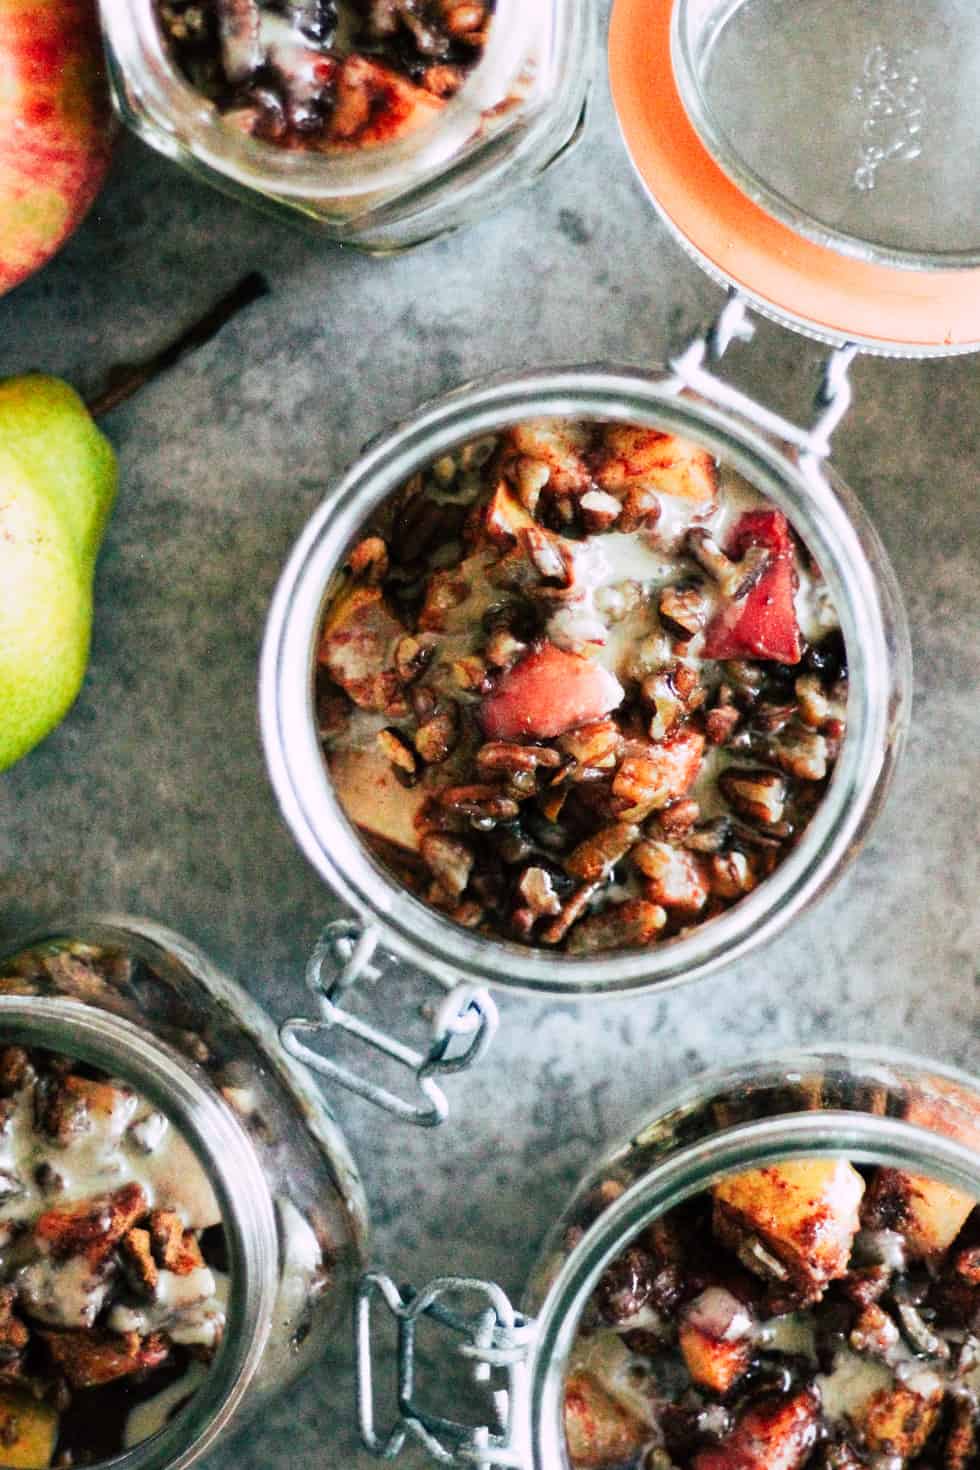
pixel 126 379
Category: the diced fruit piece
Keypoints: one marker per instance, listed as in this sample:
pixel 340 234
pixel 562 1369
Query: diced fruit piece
pixel 802 1213
pixel 929 1214
pixel 557 445
pixel 763 623
pixel 375 104
pixel 647 458
pixel 546 693
pixel 600 1431
pixel 775 1434
pixel 374 799
pixel 88 1359
pixel 28 1430
pixel 714 1338
pixel 357 648
pixel 899 1420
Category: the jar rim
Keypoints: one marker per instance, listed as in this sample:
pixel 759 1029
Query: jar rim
pixel 227 1156
pixel 689 1168
pixel 833 527
pixel 154 97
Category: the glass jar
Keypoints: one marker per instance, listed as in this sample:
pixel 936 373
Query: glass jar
pixel 816 158
pixel 787 466
pixel 191 1041
pixel 520 109
pixel 866 1105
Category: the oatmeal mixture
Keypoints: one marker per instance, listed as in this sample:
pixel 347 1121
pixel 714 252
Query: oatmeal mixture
pixel 810 1314
pixel 315 74
pixel 579 687
pixel 112 1287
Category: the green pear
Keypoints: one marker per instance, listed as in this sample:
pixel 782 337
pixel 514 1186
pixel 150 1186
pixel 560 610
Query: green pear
pixel 57 485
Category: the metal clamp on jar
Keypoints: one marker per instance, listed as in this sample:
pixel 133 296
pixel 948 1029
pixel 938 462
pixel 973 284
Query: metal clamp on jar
pixel 852 1106
pixel 786 464
pixel 410 162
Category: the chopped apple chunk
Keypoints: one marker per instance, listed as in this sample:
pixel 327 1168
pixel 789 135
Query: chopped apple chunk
pixel 357 648
pixel 929 1214
pixel 600 1431
pixel 792 1222
pixel 374 799
pixel 776 1434
pixel 28 1430
pixel 899 1420
pixel 714 1338
pixel 656 461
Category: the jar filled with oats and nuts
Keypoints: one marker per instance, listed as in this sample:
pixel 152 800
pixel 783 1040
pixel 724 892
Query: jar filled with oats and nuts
pixel 382 122
pixel 181 1220
pixel 779 1270
pixel 580 681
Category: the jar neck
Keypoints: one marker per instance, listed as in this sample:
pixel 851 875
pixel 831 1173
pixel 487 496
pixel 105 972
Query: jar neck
pixel 225 1152
pixel 687 1169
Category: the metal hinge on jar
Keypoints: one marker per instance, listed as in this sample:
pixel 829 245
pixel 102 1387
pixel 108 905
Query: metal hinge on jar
pixel 347 952
pixel 495 1340
pixel 833 397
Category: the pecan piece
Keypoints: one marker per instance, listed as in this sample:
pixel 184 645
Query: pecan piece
pixel 674 878
pixel 684 609
pixel 449 861
pixel 627 925
pixel 489 804
pixel 89 1359
pixel 138 1260
pixel 594 858
pixel 505 757
pixel 572 909
pixel 730 875
pixel 757 795
pixel 436 739
pixel 537 889
pixel 369 561
pixel 396 749
pixel 91 1227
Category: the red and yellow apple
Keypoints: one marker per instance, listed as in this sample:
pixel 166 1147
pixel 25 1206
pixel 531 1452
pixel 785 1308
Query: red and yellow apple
pixel 55 128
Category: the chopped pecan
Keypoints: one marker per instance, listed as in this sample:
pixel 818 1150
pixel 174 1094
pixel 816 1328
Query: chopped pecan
pixel 413 656
pixel 369 561
pixel 89 1359
pixel 449 860
pixel 14 1335
pixel 684 608
pixel 15 1070
pixel 730 875
pixel 758 795
pixel 598 744
pixel 721 723
pixel 641 510
pixel 396 749
pixel 572 909
pixel 489 804
pixel 436 739
pixel 662 772
pixel 536 887
pixel 138 1260
pixel 505 757
pixel 599 511
pixel 628 925
pixel 91 1227
pixel 674 878
pixel 354 648
pixel 595 857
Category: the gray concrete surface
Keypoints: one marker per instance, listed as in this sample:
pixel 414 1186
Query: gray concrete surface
pixel 152 797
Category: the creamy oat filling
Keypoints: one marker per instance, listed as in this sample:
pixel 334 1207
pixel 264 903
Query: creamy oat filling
pixel 807 1316
pixel 580 686
pixel 112 1287
pixel 326 74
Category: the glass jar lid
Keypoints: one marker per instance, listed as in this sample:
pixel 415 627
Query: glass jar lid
pixel 821 156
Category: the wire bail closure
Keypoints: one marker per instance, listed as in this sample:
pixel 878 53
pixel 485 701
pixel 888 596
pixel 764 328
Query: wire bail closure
pixel 733 323
pixel 346 953
pixel 496 1339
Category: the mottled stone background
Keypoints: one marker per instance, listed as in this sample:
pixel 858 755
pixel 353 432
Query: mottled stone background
pixel 152 797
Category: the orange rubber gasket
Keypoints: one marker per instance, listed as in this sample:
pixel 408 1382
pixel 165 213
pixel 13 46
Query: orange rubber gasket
pixel 886 305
